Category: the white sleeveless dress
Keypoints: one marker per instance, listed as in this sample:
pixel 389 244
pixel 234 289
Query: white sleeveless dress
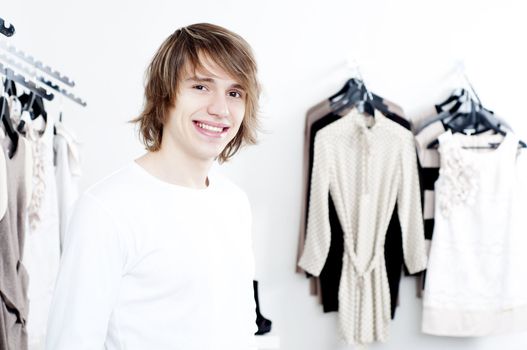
pixel 476 284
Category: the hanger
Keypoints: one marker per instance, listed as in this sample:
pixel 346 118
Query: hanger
pixel 7 31
pixel 355 94
pixel 34 105
pixel 11 75
pixel 471 121
pixel 365 105
pixel 352 94
pixel 10 87
pixel 8 125
pixel 452 118
pixel 348 95
pixel 460 96
pixel 476 121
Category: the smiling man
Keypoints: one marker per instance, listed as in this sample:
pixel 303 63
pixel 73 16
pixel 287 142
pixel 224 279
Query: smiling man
pixel 158 255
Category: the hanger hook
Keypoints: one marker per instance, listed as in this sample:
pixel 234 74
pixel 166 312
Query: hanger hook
pixel 354 67
pixel 460 65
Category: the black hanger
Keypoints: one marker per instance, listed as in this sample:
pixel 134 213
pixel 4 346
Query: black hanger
pixel 476 120
pixel 458 96
pixel 347 96
pixel 471 121
pixel 34 104
pixel 451 117
pixel 465 121
pixel 365 105
pixel 355 94
pixel 10 87
pixel 7 31
pixel 448 114
pixel 11 75
pixel 481 120
pixel 8 125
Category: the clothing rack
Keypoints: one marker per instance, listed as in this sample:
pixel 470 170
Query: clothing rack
pixel 11 75
pixel 41 79
pixel 37 64
pixel 64 92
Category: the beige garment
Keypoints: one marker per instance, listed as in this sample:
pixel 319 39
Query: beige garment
pixel 3 183
pixel 13 275
pixel 366 169
pixel 314 114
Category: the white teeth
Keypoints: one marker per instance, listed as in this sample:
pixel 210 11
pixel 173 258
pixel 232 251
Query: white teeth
pixel 209 127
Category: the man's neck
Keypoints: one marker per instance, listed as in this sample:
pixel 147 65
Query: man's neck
pixel 176 168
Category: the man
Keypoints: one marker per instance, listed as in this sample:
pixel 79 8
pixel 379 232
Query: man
pixel 158 254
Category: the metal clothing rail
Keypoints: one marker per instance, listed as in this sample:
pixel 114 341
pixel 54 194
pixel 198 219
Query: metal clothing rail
pixel 41 79
pixel 11 75
pixel 37 64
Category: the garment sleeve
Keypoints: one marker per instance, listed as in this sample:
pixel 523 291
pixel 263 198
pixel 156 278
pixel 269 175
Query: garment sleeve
pixel 88 283
pixel 318 238
pixel 409 210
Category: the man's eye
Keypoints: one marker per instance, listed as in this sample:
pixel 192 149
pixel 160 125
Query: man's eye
pixel 235 94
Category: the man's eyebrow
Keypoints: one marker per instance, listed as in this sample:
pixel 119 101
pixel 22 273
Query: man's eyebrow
pixel 238 86
pixel 211 80
pixel 201 80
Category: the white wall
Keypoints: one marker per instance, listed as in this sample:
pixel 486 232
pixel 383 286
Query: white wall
pixel 407 50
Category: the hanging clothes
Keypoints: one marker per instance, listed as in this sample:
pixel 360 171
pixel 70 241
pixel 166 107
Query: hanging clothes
pixel 428 162
pixel 3 181
pixel 429 165
pixel 42 244
pixel 393 250
pixel 15 110
pixel 67 174
pixel 367 168
pixel 13 289
pixel 475 282
pixel 326 286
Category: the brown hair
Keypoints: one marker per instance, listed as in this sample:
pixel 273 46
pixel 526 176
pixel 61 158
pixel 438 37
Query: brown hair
pixel 183 49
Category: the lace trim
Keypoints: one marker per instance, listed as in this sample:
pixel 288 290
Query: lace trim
pixel 39 183
pixel 458 179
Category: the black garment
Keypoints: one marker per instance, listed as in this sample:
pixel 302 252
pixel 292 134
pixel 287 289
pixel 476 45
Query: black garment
pixel 428 177
pixel 264 325
pixel 332 270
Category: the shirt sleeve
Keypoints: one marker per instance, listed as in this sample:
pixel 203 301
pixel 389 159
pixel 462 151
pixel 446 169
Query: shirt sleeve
pixel 318 234
pixel 90 273
pixel 409 210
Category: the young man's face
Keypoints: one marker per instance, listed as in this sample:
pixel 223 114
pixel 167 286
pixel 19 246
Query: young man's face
pixel 208 112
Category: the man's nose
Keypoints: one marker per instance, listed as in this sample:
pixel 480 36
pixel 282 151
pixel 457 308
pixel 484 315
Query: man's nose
pixel 218 105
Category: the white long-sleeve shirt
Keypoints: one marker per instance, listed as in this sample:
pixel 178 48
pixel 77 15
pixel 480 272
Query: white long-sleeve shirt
pixel 150 265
